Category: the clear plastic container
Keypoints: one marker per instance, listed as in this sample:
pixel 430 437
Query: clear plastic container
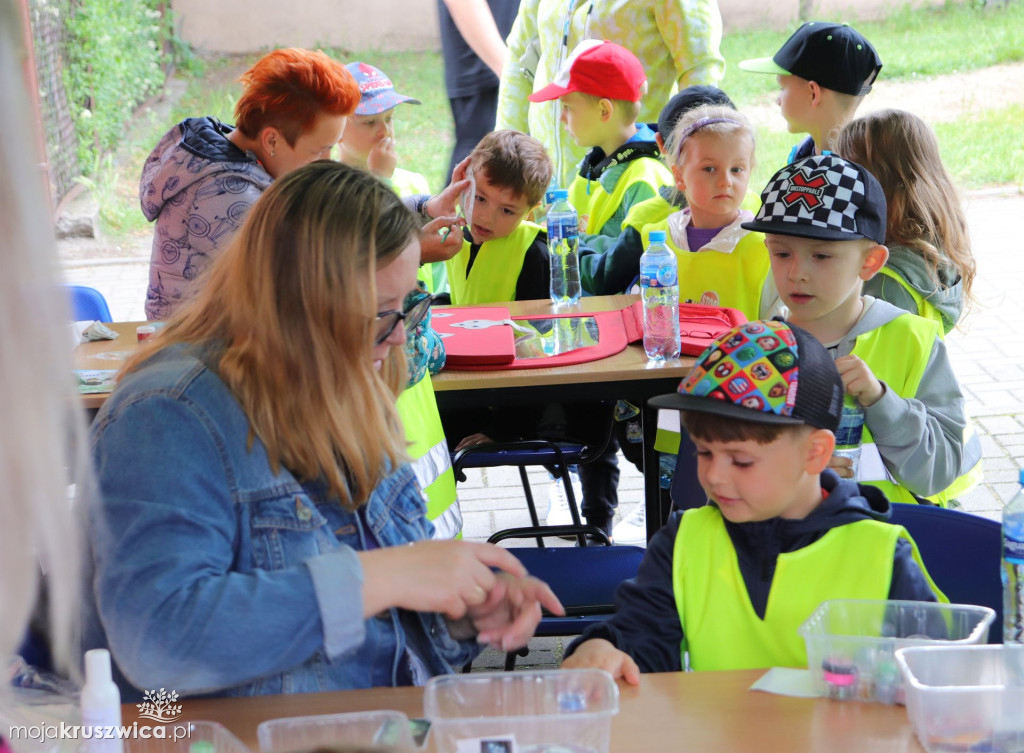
pixel 851 642
pixel 568 711
pixel 385 728
pixel 189 737
pixel 958 700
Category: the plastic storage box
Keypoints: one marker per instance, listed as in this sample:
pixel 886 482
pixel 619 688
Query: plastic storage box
pixel 189 737
pixel 851 643
pixel 958 699
pixel 563 711
pixel 385 728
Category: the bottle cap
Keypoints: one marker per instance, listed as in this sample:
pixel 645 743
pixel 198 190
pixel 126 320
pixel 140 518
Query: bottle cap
pixel 97 665
pixel 561 193
pixel 657 236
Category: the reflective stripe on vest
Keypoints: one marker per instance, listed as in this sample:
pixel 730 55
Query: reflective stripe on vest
pixel 429 453
pixel 721 627
pixel 897 354
pixel 712 278
pixel 495 271
pixel 924 308
pixel 598 206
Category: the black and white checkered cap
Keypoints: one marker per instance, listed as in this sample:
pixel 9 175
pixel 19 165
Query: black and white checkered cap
pixel 823 197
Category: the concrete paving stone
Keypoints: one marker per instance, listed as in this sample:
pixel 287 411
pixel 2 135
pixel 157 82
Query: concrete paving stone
pixel 1001 476
pixel 997 425
pixel 477 527
pixel 1005 491
pixel 1011 440
pixel 990 448
pixel 999 464
pixel 495 498
pixel 979 499
pixel 1001 384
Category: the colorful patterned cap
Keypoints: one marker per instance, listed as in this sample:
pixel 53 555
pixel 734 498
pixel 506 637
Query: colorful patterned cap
pixel 824 197
pixel 763 371
pixel 377 93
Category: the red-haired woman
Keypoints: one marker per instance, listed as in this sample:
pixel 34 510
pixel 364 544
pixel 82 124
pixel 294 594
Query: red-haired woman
pixel 201 179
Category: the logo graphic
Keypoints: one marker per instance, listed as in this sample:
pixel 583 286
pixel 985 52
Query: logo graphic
pixel 159 705
pixel 807 191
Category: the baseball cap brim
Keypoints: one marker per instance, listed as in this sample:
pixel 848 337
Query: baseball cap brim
pixel 677 401
pixel 549 92
pixel 801 230
pixel 764 65
pixel 382 102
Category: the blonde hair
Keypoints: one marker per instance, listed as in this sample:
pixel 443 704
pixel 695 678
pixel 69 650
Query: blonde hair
pixel 515 161
pixel 292 304
pixel 923 208
pixel 720 120
pixel 42 422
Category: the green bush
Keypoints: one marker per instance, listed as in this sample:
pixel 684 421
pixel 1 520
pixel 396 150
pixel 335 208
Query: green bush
pixel 114 62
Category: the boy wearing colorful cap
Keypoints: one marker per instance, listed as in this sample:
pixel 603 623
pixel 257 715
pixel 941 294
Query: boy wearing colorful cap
pixel 729 583
pixel 824 222
pixel 599 91
pixel 368 141
pixel 824 70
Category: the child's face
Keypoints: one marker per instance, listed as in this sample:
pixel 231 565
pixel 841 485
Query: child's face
pixel 751 481
pixel 714 175
pixel 795 103
pixel 583 119
pixel 820 281
pixel 364 131
pixel 497 211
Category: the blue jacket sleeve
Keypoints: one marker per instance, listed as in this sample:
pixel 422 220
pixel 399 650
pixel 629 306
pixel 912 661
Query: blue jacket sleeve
pixel 610 272
pixel 177 609
pixel 908 582
pixel 646 621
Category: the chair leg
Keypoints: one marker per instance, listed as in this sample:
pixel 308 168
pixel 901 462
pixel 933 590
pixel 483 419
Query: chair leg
pixel 574 510
pixel 510 657
pixel 530 504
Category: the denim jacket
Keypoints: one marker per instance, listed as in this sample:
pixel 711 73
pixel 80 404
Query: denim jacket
pixel 214 575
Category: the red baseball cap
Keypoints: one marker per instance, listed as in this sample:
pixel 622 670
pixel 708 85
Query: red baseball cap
pixel 600 68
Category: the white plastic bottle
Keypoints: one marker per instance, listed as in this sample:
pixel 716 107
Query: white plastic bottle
pixel 1013 586
pixel 659 289
pixel 848 435
pixel 100 704
pixel 563 240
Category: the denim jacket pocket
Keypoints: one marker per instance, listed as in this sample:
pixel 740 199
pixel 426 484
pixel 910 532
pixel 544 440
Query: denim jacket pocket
pixel 287 530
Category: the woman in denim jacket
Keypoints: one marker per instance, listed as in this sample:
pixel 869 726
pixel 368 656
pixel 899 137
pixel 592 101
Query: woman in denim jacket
pixel 255 496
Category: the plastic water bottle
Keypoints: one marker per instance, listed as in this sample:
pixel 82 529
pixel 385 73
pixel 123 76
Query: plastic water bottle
pixel 100 703
pixel 659 289
pixel 1013 587
pixel 851 426
pixel 563 240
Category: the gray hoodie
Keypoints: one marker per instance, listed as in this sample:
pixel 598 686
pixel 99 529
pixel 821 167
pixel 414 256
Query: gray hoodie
pixel 198 186
pixel 946 295
pixel 920 439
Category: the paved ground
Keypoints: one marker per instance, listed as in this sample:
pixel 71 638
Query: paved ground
pixel 987 352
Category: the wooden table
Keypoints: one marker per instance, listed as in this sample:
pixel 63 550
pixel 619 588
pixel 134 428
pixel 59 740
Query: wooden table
pixel 627 375
pixel 711 712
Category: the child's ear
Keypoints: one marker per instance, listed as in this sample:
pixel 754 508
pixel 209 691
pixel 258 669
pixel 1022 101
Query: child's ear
pixel 660 141
pixel 607 109
pixel 874 259
pixel 677 173
pixel 533 211
pixel 818 448
pixel 816 93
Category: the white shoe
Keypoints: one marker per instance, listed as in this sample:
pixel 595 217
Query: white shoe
pixel 632 529
pixel 558 502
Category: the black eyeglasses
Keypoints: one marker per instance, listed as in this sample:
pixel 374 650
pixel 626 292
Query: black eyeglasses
pixel 413 314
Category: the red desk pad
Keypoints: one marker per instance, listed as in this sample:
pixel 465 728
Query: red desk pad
pixel 479 338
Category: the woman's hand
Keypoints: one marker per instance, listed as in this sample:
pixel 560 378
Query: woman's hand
pixel 598 653
pixel 509 617
pixel 473 440
pixel 448 577
pixel 436 245
pixel 445 203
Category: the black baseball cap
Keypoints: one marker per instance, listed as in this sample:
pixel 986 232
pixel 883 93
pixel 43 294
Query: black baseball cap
pixel 769 372
pixel 836 56
pixel 686 100
pixel 823 197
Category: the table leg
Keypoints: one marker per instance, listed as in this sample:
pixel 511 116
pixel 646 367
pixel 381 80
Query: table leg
pixel 656 516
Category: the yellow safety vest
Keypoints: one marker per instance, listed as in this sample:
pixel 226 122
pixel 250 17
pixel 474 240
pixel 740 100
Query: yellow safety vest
pixel 430 459
pixel 407 183
pixel 924 307
pixel 434 276
pixel 657 209
pixel 495 271
pixel 897 354
pixel 597 207
pixel 735 280
pixel 721 628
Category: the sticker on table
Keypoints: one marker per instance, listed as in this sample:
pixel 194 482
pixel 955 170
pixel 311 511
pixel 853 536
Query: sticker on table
pixel 93 381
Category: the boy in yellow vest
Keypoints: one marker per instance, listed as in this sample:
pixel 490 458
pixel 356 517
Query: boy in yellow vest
pixel 730 583
pixel 824 70
pixel 599 90
pixel 824 220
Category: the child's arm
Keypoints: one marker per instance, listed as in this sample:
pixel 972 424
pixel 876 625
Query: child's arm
pixel 646 623
pixel 692 30
pixel 611 271
pixel 908 580
pixel 612 229
pixel 920 439
pixel 598 653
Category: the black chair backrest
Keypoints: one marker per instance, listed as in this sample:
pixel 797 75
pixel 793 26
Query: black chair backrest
pixel 963 554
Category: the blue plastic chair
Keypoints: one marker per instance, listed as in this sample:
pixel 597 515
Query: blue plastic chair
pixel 88 304
pixel 963 554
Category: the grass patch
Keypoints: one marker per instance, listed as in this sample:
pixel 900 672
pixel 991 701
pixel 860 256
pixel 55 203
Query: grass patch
pixel 977 151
